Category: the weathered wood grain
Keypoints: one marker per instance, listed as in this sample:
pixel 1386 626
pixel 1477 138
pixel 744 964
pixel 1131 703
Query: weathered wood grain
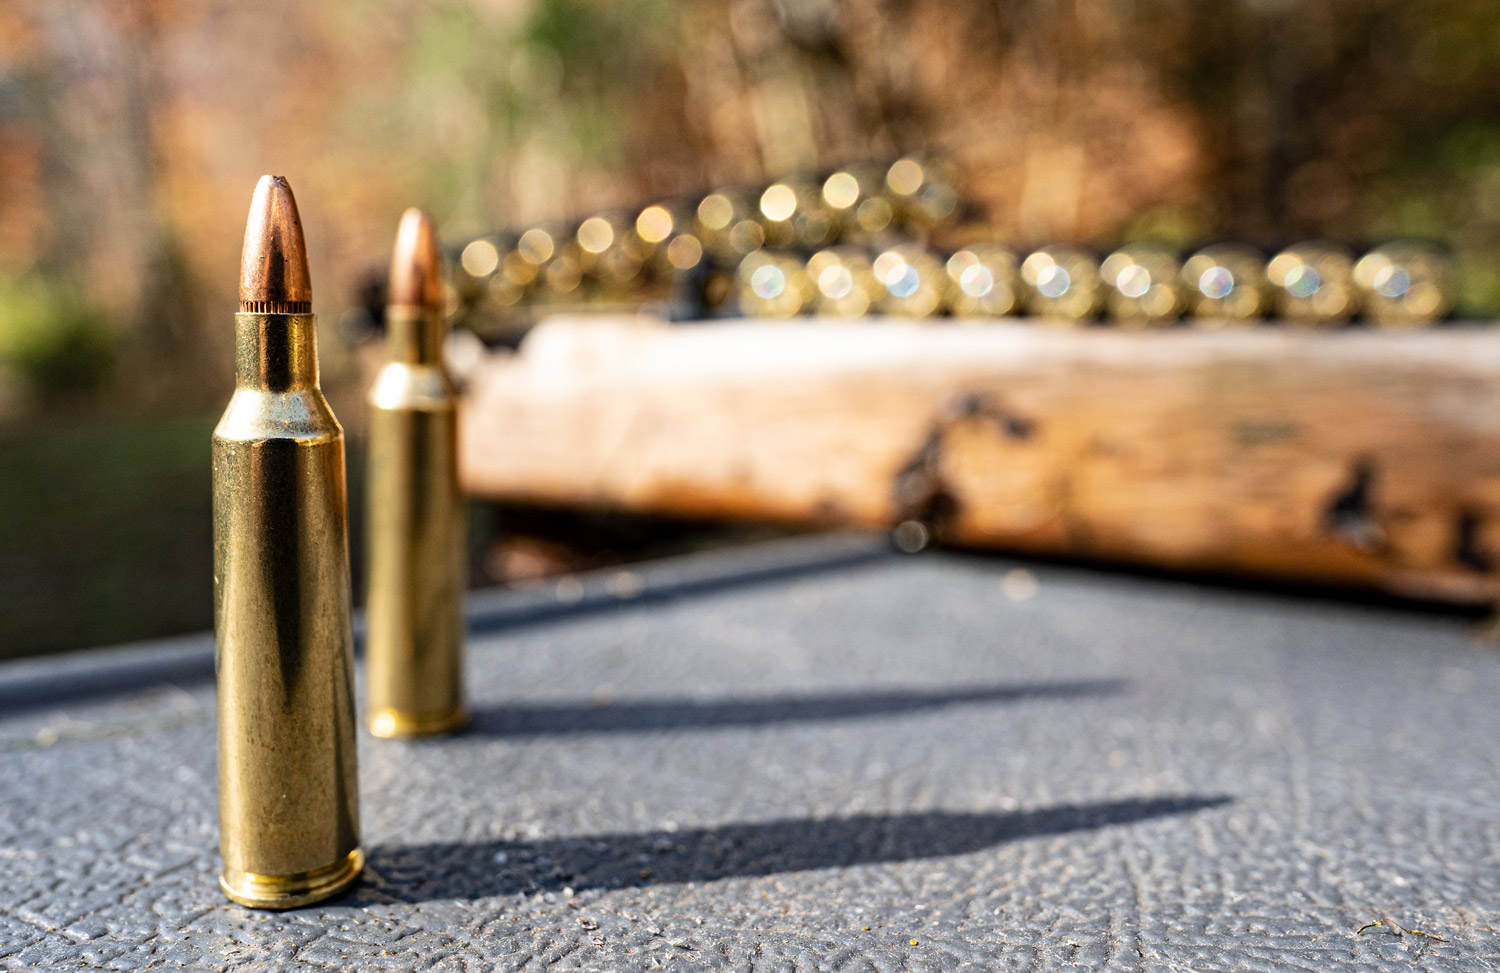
pixel 1360 457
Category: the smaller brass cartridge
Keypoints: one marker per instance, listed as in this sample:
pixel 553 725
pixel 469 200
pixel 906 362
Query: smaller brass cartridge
pixel 416 514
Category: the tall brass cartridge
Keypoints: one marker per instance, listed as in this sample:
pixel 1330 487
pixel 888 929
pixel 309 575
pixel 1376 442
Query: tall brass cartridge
pixel 414 644
pixel 288 794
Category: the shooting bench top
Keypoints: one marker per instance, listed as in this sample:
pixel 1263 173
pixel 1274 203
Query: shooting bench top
pixel 817 755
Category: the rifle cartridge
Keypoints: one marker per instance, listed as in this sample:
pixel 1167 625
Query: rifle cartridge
pixel 284 655
pixel 414 641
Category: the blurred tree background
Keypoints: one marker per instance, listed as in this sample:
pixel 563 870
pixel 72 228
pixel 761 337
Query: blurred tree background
pixel 132 132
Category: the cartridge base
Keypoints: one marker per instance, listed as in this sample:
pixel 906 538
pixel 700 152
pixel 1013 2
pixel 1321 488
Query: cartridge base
pixel 290 891
pixel 387 722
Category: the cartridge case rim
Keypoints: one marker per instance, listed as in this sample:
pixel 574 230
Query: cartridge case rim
pixel 390 723
pixel 277 892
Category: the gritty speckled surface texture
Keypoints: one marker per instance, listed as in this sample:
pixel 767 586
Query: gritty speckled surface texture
pixel 817 757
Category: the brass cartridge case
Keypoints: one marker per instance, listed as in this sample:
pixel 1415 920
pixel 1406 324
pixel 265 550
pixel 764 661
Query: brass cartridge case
pixel 794 214
pixel 1226 284
pixel 1405 284
pixel 1061 286
pixel 726 225
pixel 854 200
pixel 922 191
pixel 844 285
pixel 610 252
pixel 1142 286
pixel 1313 284
pixel 911 282
pixel 771 284
pixel 414 609
pixel 664 232
pixel 288 794
pixel 985 281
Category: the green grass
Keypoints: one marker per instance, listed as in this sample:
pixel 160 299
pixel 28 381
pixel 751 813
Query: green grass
pixel 105 532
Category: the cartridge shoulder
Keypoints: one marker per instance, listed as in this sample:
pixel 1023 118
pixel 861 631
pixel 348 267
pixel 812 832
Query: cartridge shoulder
pixel 255 415
pixel 418 388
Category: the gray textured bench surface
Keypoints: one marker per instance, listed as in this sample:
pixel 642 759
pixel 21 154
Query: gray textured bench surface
pixel 817 756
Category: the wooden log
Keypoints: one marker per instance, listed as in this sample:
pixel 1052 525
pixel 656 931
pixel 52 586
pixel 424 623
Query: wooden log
pixel 1357 457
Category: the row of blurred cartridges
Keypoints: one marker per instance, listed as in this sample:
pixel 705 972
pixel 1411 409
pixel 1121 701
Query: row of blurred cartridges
pixel 865 240
pixel 1139 285
pixel 686 249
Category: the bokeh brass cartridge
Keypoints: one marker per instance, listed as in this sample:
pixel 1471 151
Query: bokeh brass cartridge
pixel 288 794
pixel 414 657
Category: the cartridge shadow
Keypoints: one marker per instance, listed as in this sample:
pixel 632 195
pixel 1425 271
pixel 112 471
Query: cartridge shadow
pixel 615 861
pixel 644 716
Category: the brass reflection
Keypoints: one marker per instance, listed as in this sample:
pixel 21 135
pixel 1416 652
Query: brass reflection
pixel 480 258
pixel 655 224
pixel 684 252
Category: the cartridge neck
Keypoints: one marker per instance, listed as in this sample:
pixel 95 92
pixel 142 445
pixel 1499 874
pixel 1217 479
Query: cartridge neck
pixel 414 336
pixel 276 352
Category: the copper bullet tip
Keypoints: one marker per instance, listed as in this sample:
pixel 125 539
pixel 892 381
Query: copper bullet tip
pixel 273 265
pixel 416 281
